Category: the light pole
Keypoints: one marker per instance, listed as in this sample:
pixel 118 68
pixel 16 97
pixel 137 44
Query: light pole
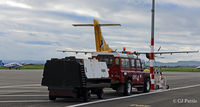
pixel 152 46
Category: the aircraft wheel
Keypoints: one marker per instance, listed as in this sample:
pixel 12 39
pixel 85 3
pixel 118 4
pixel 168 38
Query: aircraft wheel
pixel 167 86
pixel 157 87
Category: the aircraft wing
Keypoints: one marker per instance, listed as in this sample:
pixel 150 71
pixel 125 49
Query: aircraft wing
pixel 136 53
pixel 85 52
pixel 157 53
pixel 176 52
pixel 165 52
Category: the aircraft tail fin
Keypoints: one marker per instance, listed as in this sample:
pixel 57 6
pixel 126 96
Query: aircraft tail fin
pixel 1 63
pixel 101 44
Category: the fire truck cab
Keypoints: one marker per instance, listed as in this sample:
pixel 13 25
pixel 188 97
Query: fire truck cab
pixel 125 71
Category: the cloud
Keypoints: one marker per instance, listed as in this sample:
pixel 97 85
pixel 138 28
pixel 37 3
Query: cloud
pixel 41 43
pixel 185 3
pixel 14 4
pixel 35 30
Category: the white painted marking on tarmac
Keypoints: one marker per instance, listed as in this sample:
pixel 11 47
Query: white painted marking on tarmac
pixel 16 91
pixel 32 87
pixel 190 86
pixel 26 101
pixel 12 86
pixel 23 95
pixel 153 92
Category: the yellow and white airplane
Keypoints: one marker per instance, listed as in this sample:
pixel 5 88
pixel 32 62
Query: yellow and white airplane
pixel 102 46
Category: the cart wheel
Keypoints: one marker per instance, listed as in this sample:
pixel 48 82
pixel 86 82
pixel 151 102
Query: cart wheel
pixel 53 98
pixel 128 88
pixel 100 93
pixel 147 85
pixel 87 96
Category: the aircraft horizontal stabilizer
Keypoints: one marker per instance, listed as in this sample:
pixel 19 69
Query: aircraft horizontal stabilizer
pixel 82 24
pixel 96 24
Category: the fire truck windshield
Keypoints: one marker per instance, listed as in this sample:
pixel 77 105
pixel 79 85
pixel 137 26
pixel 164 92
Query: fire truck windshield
pixel 107 59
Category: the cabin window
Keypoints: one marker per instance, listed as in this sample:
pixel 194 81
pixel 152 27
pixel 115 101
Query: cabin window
pixel 117 61
pixel 138 64
pixel 132 63
pixel 125 63
pixel 107 59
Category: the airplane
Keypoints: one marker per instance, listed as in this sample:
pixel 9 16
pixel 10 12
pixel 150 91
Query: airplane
pixel 102 46
pixel 11 65
pixel 198 67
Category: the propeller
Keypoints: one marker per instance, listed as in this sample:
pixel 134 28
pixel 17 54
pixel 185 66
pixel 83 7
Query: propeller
pixel 160 54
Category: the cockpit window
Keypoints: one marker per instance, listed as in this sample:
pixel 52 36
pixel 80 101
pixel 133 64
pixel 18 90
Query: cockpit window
pixel 107 59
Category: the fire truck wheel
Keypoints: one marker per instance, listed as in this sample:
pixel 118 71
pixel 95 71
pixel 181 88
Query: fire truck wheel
pixel 128 88
pixel 100 93
pixel 53 98
pixel 147 85
pixel 87 95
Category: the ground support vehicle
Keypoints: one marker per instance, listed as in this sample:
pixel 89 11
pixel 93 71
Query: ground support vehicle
pixel 160 79
pixel 71 77
pixel 125 71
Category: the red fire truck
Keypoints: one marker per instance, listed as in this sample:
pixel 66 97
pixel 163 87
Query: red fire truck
pixel 125 71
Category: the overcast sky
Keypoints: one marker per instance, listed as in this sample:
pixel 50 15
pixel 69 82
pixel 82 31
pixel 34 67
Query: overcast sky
pixel 36 29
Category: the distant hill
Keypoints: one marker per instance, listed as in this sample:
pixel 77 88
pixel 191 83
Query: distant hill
pixel 169 64
pixel 26 61
pixel 179 63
